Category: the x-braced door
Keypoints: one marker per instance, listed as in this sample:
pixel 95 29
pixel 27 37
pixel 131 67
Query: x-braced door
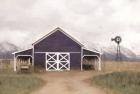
pixel 57 61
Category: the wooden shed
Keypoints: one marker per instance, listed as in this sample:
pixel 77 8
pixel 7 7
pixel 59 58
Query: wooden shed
pixel 56 51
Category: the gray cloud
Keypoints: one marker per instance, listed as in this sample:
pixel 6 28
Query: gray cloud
pixel 92 21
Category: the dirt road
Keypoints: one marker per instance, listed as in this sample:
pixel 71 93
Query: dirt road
pixel 67 83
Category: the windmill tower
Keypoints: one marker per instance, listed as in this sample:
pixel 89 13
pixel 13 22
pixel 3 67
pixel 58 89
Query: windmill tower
pixel 118 40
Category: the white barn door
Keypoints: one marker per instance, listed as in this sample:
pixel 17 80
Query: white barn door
pixel 57 61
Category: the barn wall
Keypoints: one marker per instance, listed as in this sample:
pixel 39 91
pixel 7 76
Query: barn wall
pixel 75 60
pixel 39 60
pixel 57 42
pixel 26 52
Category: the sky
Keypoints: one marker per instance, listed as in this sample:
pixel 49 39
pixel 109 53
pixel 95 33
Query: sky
pixel 92 22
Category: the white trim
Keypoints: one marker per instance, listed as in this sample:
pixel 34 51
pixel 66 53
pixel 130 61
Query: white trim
pixel 22 51
pixel 92 51
pixel 91 55
pixel 15 66
pixel 69 61
pixel 24 55
pixel 54 32
pixel 99 67
pixel 33 64
pixel 57 52
pixel 57 61
pixel 15 61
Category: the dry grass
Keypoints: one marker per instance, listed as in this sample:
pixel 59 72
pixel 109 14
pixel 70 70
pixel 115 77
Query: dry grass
pixel 19 84
pixel 120 66
pixel 119 82
pixel 119 77
pixel 6 65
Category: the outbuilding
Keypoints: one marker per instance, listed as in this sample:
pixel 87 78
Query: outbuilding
pixel 56 51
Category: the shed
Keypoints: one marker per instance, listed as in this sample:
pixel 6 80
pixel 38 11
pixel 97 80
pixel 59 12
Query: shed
pixel 56 51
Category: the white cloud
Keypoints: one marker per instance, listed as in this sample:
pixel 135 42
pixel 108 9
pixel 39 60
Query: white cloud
pixel 92 21
pixel 127 12
pixel 18 37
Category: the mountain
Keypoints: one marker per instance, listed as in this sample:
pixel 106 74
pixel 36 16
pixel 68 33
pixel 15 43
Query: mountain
pixel 111 52
pixel 138 58
pixel 6 50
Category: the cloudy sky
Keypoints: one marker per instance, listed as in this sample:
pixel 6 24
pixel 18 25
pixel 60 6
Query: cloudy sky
pixel 90 21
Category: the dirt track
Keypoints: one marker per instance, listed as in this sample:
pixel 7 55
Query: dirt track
pixel 68 83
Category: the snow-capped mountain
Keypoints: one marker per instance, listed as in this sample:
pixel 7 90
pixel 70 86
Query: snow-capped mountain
pixel 108 53
pixel 111 52
pixel 6 50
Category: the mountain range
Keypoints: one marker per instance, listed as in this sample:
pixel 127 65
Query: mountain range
pixel 6 50
pixel 108 53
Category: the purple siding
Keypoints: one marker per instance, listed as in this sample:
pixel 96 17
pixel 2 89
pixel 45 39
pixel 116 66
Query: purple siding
pixel 26 52
pixel 57 42
pixel 39 60
pixel 75 60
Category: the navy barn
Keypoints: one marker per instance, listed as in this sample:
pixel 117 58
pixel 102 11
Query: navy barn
pixel 55 51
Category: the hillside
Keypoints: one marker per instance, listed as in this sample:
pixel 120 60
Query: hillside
pixel 111 52
pixel 6 50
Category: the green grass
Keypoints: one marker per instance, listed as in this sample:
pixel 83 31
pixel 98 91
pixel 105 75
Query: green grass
pixel 122 82
pixel 19 84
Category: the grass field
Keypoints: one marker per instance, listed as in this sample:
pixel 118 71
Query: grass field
pixel 119 82
pixel 19 84
pixel 120 66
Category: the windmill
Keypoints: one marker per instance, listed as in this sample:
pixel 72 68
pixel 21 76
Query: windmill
pixel 117 40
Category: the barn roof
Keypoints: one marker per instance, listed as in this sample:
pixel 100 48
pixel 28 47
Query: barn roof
pixel 89 52
pixel 58 29
pixel 86 47
pixel 22 51
pixel 96 51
